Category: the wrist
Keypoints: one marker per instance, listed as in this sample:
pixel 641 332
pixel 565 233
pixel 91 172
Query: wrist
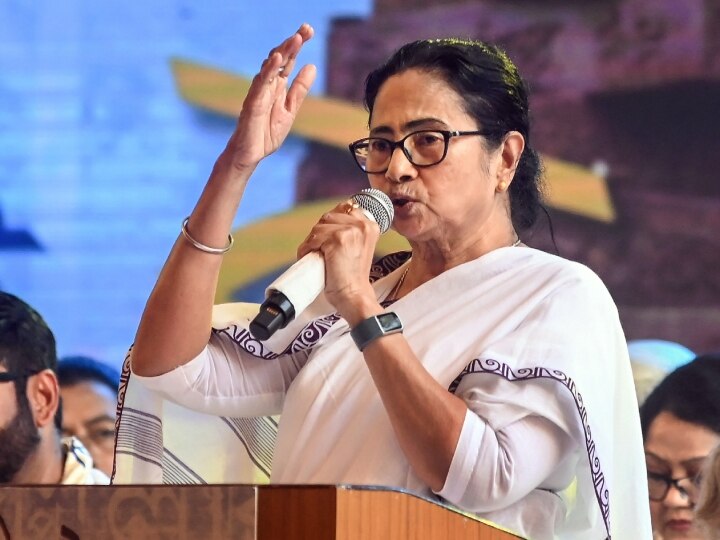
pixel 228 168
pixel 359 308
pixel 374 328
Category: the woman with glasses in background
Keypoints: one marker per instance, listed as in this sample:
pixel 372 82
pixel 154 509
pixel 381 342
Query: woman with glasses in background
pixel 473 369
pixel 681 426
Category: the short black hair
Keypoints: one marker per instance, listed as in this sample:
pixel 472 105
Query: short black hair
pixel 77 369
pixel 691 393
pixel 27 345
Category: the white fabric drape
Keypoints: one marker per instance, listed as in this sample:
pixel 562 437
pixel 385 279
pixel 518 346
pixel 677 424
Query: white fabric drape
pixel 160 442
pixel 517 334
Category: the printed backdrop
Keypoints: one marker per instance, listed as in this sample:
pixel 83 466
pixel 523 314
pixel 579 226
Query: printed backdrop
pixel 108 134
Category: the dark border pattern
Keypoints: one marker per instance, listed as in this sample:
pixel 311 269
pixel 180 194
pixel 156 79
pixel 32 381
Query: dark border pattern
pixel 315 329
pixel 383 266
pixel 122 388
pixel 303 342
pixel 494 367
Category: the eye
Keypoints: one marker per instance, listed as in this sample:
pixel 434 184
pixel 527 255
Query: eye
pixel 427 138
pixel 379 145
pixel 695 476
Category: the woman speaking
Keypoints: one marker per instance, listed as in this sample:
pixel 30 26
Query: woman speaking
pixel 473 368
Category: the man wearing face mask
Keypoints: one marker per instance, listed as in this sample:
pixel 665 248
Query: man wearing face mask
pixel 31 449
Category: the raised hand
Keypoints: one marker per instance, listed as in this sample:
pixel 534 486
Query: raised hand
pixel 176 323
pixel 271 106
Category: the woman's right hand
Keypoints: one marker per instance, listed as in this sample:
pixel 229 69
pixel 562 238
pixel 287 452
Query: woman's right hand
pixel 270 106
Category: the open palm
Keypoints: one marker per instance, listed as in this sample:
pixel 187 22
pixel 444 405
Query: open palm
pixel 271 106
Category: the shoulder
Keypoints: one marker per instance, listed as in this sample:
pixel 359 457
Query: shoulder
pixel 562 270
pixel 554 279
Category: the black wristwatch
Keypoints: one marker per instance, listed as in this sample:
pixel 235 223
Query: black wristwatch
pixel 376 327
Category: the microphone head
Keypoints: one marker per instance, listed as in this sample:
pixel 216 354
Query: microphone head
pixel 378 205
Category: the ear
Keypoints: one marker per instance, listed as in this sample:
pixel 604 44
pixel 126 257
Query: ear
pixel 43 394
pixel 510 151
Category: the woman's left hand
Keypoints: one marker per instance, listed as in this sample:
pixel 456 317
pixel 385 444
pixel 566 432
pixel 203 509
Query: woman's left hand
pixel 346 238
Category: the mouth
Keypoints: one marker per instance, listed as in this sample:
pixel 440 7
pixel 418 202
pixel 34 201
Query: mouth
pixel 679 525
pixel 400 201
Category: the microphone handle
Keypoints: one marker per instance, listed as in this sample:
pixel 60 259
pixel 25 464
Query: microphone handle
pixel 302 282
pixel 293 291
pixel 299 285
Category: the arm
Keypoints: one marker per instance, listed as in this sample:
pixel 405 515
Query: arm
pixel 175 325
pixel 493 469
pixel 215 383
pixel 427 419
pixel 451 447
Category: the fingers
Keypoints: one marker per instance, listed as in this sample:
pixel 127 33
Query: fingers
pixel 310 243
pixel 276 68
pixel 341 219
pixel 300 87
pixel 270 67
pixel 326 226
pixel 287 52
pixel 293 47
pixel 345 207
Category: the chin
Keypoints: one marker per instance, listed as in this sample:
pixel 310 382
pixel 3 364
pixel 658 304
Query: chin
pixel 682 532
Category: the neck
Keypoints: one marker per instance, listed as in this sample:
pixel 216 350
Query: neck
pixel 429 260
pixel 46 464
pixel 434 258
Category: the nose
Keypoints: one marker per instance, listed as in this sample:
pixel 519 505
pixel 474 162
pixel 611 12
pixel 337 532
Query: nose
pixel 677 499
pixel 400 169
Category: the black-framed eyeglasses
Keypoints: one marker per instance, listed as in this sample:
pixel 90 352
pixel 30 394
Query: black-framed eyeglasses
pixel 659 485
pixel 6 376
pixel 422 148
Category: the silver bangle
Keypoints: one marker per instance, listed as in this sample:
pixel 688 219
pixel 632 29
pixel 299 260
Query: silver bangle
pixel 201 246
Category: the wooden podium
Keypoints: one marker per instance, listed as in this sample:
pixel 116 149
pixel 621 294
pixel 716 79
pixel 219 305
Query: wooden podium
pixel 221 512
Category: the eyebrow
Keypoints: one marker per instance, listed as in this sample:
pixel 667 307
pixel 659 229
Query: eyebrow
pixel 694 461
pixel 412 124
pixel 100 418
pixel 684 463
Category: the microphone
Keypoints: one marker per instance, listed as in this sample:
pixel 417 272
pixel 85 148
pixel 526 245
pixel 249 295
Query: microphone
pixel 300 284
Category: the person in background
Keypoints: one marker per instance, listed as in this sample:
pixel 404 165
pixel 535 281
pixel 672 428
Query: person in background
pixel 708 508
pixel 31 449
pixel 88 389
pixel 681 425
pixel 651 360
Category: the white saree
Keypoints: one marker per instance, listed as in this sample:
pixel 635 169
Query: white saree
pixel 160 442
pixel 517 334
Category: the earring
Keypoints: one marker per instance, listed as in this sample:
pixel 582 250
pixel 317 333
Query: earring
pixel 501 186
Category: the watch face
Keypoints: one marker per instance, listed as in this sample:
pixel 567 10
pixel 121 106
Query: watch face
pixel 389 322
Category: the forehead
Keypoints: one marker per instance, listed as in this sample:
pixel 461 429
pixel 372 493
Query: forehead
pixel 414 94
pixel 87 398
pixel 674 440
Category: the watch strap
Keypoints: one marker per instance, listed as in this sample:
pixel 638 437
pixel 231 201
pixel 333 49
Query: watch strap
pixel 375 327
